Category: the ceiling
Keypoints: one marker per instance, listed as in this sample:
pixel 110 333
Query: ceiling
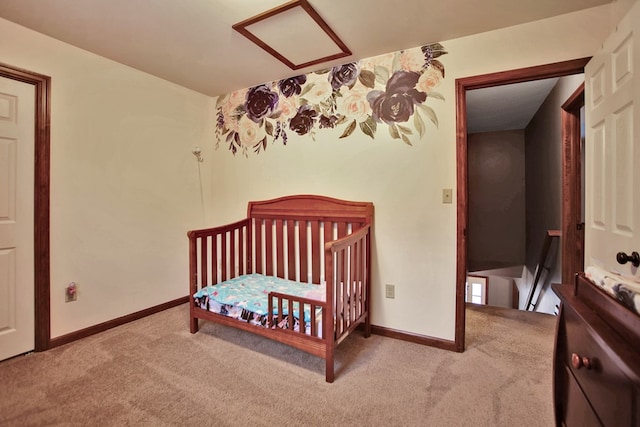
pixel 192 43
pixel 507 107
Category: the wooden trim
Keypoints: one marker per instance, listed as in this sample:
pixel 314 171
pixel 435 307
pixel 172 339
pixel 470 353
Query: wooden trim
pixel 558 69
pixel 101 327
pixel 241 27
pixel 42 139
pixel 414 338
pixel 573 238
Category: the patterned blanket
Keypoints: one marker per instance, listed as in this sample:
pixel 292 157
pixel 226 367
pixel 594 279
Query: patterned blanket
pixel 246 298
pixel 626 291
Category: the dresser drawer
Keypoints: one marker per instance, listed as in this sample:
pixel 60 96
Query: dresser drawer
pixel 577 412
pixel 591 361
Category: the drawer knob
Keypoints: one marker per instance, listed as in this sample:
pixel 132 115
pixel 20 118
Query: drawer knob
pixel 578 362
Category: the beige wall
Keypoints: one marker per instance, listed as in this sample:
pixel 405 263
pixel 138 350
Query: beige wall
pixel 415 238
pixel 124 184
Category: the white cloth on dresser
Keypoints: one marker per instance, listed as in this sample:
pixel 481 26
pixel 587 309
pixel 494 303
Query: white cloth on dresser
pixel 625 290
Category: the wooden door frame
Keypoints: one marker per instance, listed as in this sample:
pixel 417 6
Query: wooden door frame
pixel 573 237
pixel 42 141
pixel 558 69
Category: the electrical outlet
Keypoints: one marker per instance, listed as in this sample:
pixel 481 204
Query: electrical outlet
pixel 71 292
pixel 390 291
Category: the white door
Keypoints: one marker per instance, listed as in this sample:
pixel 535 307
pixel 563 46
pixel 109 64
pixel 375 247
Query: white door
pixel 17 130
pixel 612 104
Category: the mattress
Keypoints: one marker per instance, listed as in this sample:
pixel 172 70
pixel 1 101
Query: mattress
pixel 246 298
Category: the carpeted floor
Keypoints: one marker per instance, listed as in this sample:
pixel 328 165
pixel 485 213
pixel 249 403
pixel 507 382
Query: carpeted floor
pixel 154 372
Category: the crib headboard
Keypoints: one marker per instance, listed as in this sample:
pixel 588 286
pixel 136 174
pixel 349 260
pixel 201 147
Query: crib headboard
pixel 290 232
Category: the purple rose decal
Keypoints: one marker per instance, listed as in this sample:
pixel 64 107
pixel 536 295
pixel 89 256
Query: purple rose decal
pixel 328 121
pixel 292 86
pixel 303 121
pixel 396 104
pixel 344 75
pixel 260 102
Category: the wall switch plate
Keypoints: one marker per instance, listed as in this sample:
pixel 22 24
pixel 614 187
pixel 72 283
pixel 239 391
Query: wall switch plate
pixel 390 291
pixel 447 195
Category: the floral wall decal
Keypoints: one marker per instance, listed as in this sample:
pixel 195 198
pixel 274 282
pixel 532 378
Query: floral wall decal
pixel 391 90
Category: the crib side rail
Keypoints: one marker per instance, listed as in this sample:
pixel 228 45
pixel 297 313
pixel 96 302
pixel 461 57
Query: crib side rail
pixel 294 304
pixel 219 253
pixel 348 272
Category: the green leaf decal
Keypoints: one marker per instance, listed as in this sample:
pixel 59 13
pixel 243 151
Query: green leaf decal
pixel 418 123
pixel 396 62
pixel 436 95
pixel 349 130
pixel 393 131
pixel 367 78
pixel 430 113
pixel 342 119
pixel 438 66
pixel 369 127
pixel 221 100
pixel 268 128
pixel 382 74
pixel 306 89
pixel 406 140
pixel 405 130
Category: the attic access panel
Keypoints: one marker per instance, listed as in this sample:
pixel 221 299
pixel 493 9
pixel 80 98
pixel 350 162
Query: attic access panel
pixel 295 34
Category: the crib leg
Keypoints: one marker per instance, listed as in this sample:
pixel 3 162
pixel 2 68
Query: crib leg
pixel 367 327
pixel 329 376
pixel 194 325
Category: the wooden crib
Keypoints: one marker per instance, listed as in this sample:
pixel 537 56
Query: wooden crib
pixel 304 238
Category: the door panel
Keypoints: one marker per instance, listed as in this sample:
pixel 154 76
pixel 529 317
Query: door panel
pixel 17 127
pixel 613 149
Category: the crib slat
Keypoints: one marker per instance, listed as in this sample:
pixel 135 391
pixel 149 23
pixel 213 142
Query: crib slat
pixel 279 248
pixel 232 254
pixel 352 285
pixel 290 318
pixel 304 261
pixel 258 248
pixel 328 231
pixel 342 229
pixel 302 324
pixel 268 250
pixel 241 254
pixel 358 284
pixel 345 284
pixel 315 252
pixel 223 256
pixel 214 260
pixel 291 249
pixel 338 292
pixel 203 261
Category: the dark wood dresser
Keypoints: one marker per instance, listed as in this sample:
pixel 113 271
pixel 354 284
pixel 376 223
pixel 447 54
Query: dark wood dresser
pixel 596 359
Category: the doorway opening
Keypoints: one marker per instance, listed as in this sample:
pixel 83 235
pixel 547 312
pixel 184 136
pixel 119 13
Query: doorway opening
pixel 462 173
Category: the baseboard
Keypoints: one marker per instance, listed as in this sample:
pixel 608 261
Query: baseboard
pixel 101 327
pixel 414 338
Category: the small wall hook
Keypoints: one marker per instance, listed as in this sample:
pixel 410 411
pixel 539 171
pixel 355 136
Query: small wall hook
pixel 198 153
